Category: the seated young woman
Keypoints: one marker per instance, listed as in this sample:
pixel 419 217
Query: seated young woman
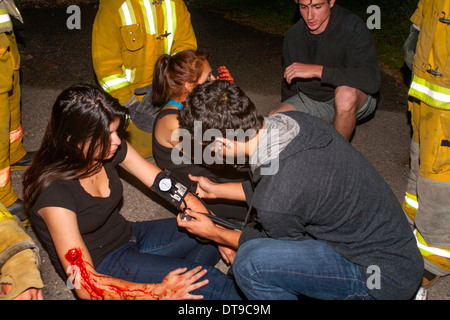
pixel 174 78
pixel 72 192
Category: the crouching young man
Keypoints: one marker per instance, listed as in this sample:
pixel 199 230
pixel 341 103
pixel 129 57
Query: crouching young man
pixel 327 225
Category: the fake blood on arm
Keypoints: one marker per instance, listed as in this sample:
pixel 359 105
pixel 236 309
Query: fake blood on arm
pixel 90 281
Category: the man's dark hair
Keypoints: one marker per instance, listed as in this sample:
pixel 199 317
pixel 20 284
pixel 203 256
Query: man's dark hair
pixel 219 105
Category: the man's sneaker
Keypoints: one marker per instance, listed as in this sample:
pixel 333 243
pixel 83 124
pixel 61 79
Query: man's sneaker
pixel 428 279
pixel 421 294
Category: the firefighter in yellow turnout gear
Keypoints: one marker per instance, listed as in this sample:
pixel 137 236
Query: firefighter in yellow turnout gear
pixel 128 37
pixel 12 153
pixel 19 261
pixel 427 200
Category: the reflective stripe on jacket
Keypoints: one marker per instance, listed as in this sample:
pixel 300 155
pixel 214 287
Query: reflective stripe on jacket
pixel 430 93
pixel 5 21
pixel 429 250
pixel 5 176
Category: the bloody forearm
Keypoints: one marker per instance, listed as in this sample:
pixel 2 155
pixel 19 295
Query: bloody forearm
pixel 101 287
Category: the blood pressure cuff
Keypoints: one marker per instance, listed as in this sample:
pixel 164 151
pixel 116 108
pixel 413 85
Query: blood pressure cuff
pixel 173 187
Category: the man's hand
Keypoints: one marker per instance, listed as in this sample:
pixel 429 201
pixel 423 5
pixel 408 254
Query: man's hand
pixel 203 227
pixel 302 70
pixel 178 284
pixel 227 254
pixel 200 225
pixel 205 187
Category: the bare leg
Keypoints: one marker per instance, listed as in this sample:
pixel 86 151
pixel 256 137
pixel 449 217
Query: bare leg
pixel 348 101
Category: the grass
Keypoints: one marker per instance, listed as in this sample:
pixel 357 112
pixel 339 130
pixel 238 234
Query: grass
pixel 276 16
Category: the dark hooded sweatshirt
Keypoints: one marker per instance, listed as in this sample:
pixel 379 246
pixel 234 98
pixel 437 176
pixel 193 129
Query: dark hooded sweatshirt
pixel 326 190
pixel 346 50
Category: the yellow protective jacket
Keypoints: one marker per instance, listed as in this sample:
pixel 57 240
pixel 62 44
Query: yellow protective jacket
pixel 431 82
pixel 9 54
pixel 128 37
pixel 11 147
pixel 7 9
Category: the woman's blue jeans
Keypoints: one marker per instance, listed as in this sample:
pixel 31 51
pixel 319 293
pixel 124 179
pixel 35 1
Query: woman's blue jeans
pixel 158 247
pixel 286 270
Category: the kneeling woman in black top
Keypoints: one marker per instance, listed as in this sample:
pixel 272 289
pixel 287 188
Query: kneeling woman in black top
pixel 72 192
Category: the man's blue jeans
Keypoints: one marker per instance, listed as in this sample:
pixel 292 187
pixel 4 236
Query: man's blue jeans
pixel 158 247
pixel 284 270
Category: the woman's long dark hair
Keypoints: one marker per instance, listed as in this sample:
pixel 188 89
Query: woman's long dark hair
pixel 172 72
pixel 80 121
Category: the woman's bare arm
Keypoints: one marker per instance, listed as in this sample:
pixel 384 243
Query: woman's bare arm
pixel 89 284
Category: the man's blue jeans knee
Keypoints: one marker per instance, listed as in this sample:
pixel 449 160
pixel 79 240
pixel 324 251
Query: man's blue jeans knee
pixel 285 270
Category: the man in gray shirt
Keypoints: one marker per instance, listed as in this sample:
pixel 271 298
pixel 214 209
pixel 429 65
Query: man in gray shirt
pixel 327 225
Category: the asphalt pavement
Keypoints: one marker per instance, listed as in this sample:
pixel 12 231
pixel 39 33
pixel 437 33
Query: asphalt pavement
pixel 55 57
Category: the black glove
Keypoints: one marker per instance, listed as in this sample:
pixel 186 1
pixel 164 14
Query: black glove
pixel 143 114
pixel 410 45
